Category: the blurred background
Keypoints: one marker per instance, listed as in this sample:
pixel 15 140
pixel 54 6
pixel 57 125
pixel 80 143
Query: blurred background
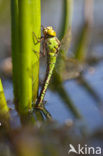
pixel 52 15
pixel 85 92
pixel 75 103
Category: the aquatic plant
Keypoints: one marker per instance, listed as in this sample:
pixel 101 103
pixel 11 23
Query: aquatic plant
pixel 25 19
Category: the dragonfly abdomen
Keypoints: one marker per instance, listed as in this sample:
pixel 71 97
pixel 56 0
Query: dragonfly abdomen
pixel 50 67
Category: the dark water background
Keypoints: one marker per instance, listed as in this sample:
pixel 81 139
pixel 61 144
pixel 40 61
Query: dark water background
pixel 85 103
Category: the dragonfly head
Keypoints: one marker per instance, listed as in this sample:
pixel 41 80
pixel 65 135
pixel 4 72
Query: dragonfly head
pixel 49 31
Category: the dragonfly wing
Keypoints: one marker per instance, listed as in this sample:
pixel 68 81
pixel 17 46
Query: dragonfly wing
pixel 72 70
pixel 65 42
pixel 43 65
pixel 69 68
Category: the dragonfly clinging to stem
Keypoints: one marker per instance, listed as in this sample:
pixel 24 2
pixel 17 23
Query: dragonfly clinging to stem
pixel 51 45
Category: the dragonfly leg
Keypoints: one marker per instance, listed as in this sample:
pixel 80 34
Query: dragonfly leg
pixel 37 39
pixel 35 51
pixel 41 53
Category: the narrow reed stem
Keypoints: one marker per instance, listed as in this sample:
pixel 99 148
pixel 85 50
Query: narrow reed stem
pixel 80 50
pixel 15 47
pixel 4 110
pixel 83 40
pixel 67 17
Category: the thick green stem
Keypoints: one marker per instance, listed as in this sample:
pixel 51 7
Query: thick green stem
pixel 25 19
pixel 4 110
pixel 25 55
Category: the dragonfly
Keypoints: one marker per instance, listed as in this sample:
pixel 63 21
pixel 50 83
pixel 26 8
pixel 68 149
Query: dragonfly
pixel 53 47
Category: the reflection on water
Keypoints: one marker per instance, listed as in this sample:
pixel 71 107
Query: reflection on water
pixel 85 99
pixel 86 103
pixel 82 99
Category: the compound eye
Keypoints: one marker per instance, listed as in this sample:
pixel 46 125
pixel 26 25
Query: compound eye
pixel 51 32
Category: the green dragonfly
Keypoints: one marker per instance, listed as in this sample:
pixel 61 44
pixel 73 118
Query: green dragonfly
pixel 51 44
pixel 52 47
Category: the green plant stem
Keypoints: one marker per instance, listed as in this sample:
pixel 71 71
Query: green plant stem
pixel 80 50
pixel 25 56
pixel 65 30
pixel 4 110
pixel 25 19
pixel 83 40
pixel 15 47
pixel 67 17
pixel 36 22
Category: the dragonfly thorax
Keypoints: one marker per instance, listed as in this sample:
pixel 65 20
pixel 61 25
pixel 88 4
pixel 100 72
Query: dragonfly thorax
pixel 53 45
